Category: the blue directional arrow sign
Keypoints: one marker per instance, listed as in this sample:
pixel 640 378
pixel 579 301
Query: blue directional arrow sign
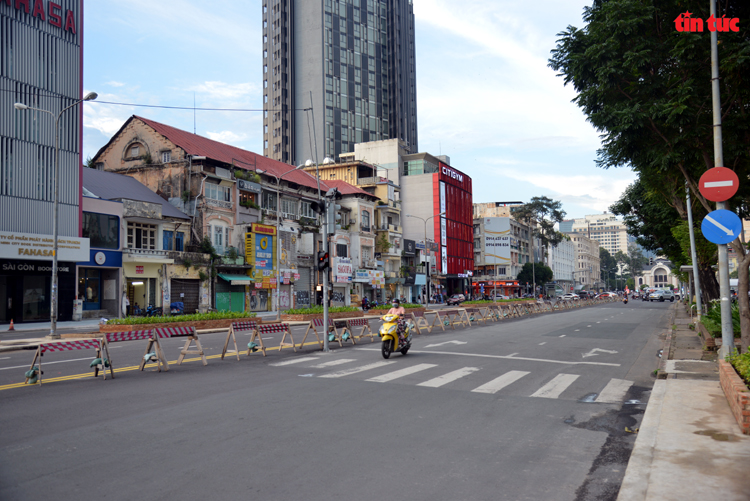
pixel 721 226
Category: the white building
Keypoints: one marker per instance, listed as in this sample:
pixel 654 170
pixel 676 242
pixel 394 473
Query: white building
pixel 562 260
pixel 610 232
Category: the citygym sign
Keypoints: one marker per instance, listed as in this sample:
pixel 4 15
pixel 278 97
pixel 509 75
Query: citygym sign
pixel 41 247
pixel 453 174
pixel 53 14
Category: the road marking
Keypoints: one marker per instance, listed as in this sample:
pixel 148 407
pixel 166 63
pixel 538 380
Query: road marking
pixel 501 382
pixel 554 388
pixel 5 358
pixel 512 354
pixel 401 373
pixel 293 361
pixel 577 330
pixel 355 370
pixel 449 377
pixel 614 392
pixel 447 342
pixel 540 344
pixel 563 335
pixel 593 353
pixel 504 357
pixel 333 362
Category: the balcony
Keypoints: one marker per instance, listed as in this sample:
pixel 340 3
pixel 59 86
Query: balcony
pixel 131 255
pixel 223 204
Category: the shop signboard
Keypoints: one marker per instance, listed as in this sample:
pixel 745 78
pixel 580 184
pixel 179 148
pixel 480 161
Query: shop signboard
pixel 37 247
pixel 497 240
pixel 362 276
pixel 343 269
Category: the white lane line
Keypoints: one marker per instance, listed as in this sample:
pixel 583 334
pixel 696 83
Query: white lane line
pixel 293 361
pixel 554 388
pixel 563 335
pixel 614 392
pixel 577 330
pixel 501 382
pixel 540 344
pixel 401 373
pixel 5 358
pixel 504 357
pixel 355 370
pixel 513 354
pixel 333 362
pixel 448 378
pixel 48 363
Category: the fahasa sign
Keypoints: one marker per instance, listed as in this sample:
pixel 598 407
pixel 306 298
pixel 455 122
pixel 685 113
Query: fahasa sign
pixel 51 12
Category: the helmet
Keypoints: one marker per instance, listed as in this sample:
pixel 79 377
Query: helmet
pixel 396 301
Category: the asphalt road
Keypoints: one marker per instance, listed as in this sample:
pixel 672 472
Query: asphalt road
pixel 532 408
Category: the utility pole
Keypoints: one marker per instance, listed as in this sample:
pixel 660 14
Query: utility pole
pixel 727 331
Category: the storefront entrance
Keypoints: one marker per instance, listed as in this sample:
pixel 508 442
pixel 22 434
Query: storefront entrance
pixel 90 289
pixel 25 291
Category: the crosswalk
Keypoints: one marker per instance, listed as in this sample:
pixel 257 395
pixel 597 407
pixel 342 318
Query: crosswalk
pixel 613 392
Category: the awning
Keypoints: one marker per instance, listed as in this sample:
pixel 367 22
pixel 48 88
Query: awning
pixel 237 279
pixel 420 280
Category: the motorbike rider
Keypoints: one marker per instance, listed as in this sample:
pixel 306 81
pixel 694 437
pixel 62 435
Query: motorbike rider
pixel 397 309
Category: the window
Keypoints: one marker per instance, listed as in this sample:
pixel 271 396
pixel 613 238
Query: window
pixel 102 229
pixel 141 236
pixel 366 253
pixel 166 157
pixel 306 210
pixel 135 151
pixel 217 192
pixel 365 220
pixel 170 237
pixel 289 206
pixel 341 250
pixel 269 200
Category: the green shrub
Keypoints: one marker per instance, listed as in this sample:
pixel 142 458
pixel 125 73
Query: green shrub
pixel 714 314
pixel 220 315
pixel 741 363
pixel 405 305
pixel 319 310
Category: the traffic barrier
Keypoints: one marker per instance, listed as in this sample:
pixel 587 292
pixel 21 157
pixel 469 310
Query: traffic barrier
pixel 354 323
pixel 148 356
pixel 192 337
pixel 34 374
pixel 420 322
pixel 267 329
pixel 243 327
pixel 475 315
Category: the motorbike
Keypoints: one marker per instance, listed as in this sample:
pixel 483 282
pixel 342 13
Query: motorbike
pixel 177 308
pixel 365 304
pixel 389 334
pixel 625 300
pixel 153 312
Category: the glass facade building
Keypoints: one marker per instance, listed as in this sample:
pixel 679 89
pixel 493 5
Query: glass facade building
pixel 337 73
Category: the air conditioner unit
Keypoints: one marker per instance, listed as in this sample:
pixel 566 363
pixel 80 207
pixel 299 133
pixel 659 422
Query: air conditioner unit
pixel 352 220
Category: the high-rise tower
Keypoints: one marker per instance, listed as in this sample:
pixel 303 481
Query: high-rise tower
pixel 337 73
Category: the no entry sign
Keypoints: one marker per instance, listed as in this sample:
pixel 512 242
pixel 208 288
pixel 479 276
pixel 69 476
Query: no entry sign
pixel 719 184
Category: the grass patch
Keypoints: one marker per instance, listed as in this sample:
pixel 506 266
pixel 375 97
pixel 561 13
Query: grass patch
pixel 196 317
pixel 313 310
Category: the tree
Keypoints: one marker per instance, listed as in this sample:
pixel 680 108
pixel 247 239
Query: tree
pixel 607 266
pixel 542 272
pixel 647 90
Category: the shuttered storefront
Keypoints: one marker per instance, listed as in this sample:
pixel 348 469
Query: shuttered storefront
pixel 229 297
pixel 187 291
pixel 303 289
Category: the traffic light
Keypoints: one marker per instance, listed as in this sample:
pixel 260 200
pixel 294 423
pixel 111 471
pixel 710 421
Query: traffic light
pixel 318 206
pixel 323 261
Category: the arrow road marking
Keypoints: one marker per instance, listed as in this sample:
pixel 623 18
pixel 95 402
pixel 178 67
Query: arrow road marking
pixel 447 342
pixel 718 184
pixel 719 225
pixel 593 353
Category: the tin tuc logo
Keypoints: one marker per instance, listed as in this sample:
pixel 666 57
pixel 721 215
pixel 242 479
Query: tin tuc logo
pixel 685 22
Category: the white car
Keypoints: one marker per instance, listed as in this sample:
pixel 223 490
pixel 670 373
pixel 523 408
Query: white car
pixel 570 297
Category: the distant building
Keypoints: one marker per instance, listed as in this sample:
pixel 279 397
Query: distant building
pixel 562 260
pixel 610 232
pixel 658 274
pixel 588 265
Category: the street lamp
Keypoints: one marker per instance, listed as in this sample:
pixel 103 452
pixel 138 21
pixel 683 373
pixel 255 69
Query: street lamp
pixel 53 298
pixel 427 275
pixel 278 233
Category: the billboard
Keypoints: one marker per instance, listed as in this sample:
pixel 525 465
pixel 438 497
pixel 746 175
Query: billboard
pixel 497 240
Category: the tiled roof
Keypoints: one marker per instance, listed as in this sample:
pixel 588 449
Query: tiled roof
pixel 194 144
pixel 111 186
pixel 348 189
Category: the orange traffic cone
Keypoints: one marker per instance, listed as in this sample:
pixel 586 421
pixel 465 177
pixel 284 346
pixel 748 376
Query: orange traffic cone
pixel 11 328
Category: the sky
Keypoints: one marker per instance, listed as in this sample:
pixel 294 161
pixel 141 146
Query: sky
pixel 485 95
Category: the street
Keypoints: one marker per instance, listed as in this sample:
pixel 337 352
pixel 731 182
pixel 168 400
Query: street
pixel 532 408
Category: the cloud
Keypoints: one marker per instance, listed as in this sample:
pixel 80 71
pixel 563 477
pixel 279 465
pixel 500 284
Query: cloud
pixel 227 137
pixel 222 91
pixel 115 84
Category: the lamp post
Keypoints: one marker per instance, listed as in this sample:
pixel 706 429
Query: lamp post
pixel 53 297
pixel 427 274
pixel 278 233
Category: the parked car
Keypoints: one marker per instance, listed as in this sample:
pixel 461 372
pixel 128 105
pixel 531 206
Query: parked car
pixel 661 295
pixel 499 297
pixel 570 297
pixel 455 299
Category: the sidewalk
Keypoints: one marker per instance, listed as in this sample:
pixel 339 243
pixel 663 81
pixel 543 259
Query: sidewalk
pixel 689 445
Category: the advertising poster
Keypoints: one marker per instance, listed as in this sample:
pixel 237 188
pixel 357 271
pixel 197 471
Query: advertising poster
pixel 497 240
